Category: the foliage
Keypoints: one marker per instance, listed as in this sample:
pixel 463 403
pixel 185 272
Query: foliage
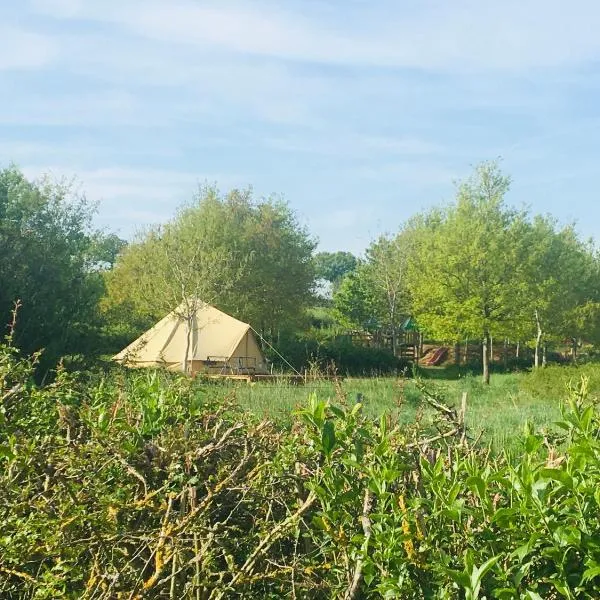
pixel 334 266
pixel 355 304
pixel 387 277
pixel 141 486
pixel 252 259
pixel 333 352
pixel 464 266
pixel 375 296
pixel 51 260
pixel 556 379
pixel 467 260
pixel 558 285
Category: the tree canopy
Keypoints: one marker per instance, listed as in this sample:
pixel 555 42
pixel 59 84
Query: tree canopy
pixel 333 266
pixel 249 258
pixel 50 263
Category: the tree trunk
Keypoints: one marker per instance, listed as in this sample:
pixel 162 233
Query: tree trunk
pixel 517 350
pixel 538 340
pixel 466 353
pixel 491 349
pixel 544 356
pixel 456 354
pixel 418 347
pixel 505 354
pixel 486 358
pixel 394 341
pixel 574 349
pixel 188 343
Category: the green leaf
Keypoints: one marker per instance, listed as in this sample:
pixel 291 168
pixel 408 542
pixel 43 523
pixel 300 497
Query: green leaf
pixel 558 475
pixel 532 443
pixel 459 577
pixel 477 484
pixel 480 572
pixel 338 412
pixel 356 409
pixel 328 437
pixel 6 452
pixel 590 574
pixel 568 536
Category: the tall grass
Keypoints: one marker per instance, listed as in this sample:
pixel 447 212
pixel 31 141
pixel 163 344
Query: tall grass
pixel 496 413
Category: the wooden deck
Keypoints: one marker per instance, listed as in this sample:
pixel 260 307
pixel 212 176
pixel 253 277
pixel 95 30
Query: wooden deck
pixel 251 378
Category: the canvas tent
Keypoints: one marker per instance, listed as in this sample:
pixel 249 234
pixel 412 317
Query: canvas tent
pixel 218 344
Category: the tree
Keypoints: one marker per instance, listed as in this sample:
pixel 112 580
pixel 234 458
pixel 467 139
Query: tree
pixel 375 295
pixel 387 267
pixel 465 261
pixel 251 259
pixel 557 283
pixel 105 249
pixel 581 319
pixel 354 303
pixel 47 249
pixel 333 266
pixel 277 283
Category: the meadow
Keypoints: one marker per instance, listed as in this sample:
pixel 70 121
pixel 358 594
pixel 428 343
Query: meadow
pixel 496 414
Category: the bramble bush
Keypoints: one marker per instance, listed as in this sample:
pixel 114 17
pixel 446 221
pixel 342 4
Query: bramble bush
pixel 142 485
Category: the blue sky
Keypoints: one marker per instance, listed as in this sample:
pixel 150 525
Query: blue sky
pixel 359 113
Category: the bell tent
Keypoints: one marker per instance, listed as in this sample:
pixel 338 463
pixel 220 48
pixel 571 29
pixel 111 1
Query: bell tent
pixel 197 338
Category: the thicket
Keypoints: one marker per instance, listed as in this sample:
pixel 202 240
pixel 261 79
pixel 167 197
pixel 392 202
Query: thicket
pixel 329 352
pixel 140 485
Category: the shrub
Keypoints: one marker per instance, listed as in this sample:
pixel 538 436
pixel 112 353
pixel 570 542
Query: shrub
pixel 545 382
pixel 141 485
pixel 339 353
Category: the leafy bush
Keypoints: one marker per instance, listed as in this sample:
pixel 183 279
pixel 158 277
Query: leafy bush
pixel 546 382
pixel 339 353
pixel 140 485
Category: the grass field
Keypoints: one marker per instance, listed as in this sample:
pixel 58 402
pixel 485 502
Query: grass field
pixel 497 412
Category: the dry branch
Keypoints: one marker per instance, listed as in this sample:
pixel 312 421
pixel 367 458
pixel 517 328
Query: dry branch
pixel 366 525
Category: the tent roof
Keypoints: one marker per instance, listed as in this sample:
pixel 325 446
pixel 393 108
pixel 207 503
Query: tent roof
pixel 409 325
pixel 214 334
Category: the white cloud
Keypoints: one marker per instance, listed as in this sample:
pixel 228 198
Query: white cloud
pixel 114 107
pixel 20 49
pixel 129 199
pixel 286 91
pixel 58 8
pixel 465 34
pixel 346 144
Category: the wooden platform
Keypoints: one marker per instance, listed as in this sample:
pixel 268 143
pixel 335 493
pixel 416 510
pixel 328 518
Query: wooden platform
pixel 252 378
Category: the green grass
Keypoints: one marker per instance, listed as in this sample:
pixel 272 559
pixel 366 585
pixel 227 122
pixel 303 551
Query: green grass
pixel 496 413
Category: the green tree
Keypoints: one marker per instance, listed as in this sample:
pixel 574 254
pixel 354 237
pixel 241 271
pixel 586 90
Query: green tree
pixel 375 296
pixel 581 320
pixel 47 249
pixel 252 259
pixel 334 266
pixel 354 303
pixel 465 261
pixel 386 270
pixel 105 249
pixel 557 284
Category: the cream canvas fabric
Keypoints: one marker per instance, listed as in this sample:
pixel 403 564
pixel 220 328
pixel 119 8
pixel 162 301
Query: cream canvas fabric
pixel 218 342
